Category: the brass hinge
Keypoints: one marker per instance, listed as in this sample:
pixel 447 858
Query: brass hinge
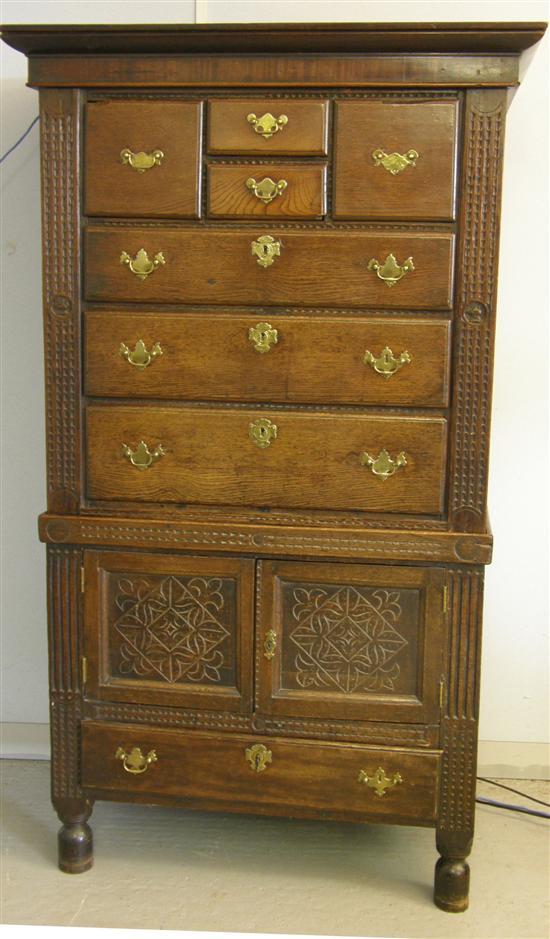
pixel 441 694
pixel 82 579
pixel 445 598
pixel 84 669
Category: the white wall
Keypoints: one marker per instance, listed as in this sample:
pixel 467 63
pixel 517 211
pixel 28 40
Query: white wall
pixel 515 659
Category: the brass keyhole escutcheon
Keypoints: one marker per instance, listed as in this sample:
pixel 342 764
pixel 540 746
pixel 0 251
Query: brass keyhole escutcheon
pixel 383 465
pixel 263 336
pixel 390 271
pixel 141 161
pixel 142 458
pixel 379 781
pixel 267 125
pixel 141 265
pixel 135 762
pixel 386 364
pixel 270 644
pixel 262 432
pixel 267 189
pixel 259 757
pixel 140 357
pixel 265 249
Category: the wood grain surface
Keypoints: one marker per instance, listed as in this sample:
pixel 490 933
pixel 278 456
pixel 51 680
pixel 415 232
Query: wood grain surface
pixel 218 266
pixel 315 461
pixel 230 197
pixel 302 774
pixel 363 189
pixel 171 188
pixel 210 356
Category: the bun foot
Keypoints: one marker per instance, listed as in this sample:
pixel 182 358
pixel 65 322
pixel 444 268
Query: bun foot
pixel 452 883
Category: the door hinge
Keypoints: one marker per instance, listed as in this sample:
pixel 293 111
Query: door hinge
pixel 445 598
pixel 441 694
pixel 84 669
pixel 82 579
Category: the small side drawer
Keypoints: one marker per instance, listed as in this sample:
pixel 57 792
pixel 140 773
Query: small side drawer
pixel 395 160
pixel 268 190
pixel 267 125
pixel 262 774
pixel 143 158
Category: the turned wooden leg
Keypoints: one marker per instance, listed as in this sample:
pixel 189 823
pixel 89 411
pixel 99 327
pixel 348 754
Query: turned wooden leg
pixel 75 842
pixel 452 872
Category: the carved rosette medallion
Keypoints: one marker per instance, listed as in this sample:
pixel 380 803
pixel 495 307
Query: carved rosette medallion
pixel 172 629
pixel 346 638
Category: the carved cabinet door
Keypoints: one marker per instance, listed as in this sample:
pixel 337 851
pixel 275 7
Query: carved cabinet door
pixel 169 630
pixel 350 641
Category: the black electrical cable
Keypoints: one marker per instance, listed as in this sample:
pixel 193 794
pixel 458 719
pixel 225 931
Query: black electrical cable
pixel 21 139
pixel 512 808
pixel 516 791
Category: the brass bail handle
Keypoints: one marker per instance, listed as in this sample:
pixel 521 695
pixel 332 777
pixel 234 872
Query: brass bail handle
pixel 379 781
pixel 140 356
pixel 135 762
pixel 267 125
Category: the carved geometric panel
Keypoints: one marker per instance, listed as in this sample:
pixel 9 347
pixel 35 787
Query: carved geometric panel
pixel 349 639
pixel 172 629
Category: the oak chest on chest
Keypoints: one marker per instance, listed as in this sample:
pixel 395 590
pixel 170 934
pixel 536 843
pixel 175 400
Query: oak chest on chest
pixel 269 297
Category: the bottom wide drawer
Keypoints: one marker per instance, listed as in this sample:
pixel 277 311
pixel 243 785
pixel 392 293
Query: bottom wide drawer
pixel 262 774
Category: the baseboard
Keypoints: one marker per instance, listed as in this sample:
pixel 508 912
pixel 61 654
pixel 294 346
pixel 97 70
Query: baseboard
pixel 499 759
pixel 24 741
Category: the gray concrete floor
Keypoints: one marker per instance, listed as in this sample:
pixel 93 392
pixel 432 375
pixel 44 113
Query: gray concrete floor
pixel 161 868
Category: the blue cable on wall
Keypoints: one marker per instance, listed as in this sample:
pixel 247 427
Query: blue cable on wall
pixel 21 139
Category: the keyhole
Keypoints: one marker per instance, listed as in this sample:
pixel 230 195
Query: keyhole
pixel 257 762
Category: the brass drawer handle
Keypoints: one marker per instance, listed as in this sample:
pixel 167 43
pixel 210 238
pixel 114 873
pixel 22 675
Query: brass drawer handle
pixel 258 756
pixel 139 356
pixel 135 762
pixel 394 163
pixel 142 458
pixel 386 364
pixel 267 125
pixel 263 336
pixel 266 249
pixel 142 265
pixel 141 161
pixel 383 465
pixel 270 644
pixel 262 432
pixel 390 271
pixel 267 189
pixel 379 781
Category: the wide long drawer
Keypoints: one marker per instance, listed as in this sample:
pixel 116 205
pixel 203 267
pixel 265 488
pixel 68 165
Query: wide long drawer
pixel 266 458
pixel 244 357
pixel 261 773
pixel 270 267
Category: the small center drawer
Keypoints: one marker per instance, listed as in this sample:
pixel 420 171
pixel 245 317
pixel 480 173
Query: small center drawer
pixel 261 357
pixel 233 456
pixel 267 125
pixel 262 774
pixel 283 190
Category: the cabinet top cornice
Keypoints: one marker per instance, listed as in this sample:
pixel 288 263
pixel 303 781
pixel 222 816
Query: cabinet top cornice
pixel 357 38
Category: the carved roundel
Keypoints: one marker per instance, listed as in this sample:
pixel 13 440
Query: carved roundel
pixel 474 313
pixel 57 530
pixel 61 304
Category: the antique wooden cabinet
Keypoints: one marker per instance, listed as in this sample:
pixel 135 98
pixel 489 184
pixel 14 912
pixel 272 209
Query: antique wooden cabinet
pixel 270 273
